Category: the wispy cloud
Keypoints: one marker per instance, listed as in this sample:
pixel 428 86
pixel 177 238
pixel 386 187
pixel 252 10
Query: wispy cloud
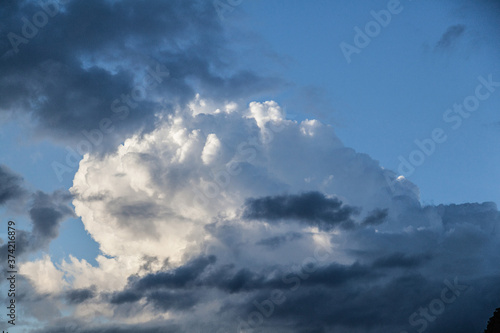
pixel 450 37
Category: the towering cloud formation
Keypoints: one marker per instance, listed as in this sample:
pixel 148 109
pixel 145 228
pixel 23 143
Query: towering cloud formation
pixel 281 228
pixel 168 184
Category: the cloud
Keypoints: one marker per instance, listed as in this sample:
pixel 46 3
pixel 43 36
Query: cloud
pixel 166 300
pixel 165 289
pixel 72 326
pixel 450 37
pixel 47 212
pixel 11 185
pixel 261 221
pixel 213 213
pixel 122 61
pixel 400 260
pixel 179 278
pixel 163 180
pixel 44 276
pixel 78 296
pixel 376 217
pixel 311 208
pixel 276 241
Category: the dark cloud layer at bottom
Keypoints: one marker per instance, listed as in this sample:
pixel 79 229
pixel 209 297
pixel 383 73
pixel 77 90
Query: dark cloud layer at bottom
pixel 394 288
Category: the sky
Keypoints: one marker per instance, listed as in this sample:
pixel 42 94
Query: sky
pixel 250 166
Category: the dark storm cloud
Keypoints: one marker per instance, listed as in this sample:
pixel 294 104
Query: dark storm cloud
pixel 73 326
pixel 370 307
pixel 398 274
pixel 450 37
pixel 137 210
pixel 78 296
pixel 126 296
pixel 277 241
pixel 485 215
pixel 23 244
pixel 392 277
pixel 355 306
pixel 47 212
pixel 312 208
pixel 78 67
pixel 181 277
pixel 243 280
pixel 401 260
pixel 226 278
pixel 173 300
pixel 376 217
pixel 11 185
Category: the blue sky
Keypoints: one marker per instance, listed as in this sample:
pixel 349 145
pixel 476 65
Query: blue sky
pixel 318 137
pixel 397 89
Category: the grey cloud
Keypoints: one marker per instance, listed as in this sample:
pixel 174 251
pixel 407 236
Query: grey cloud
pixel 401 260
pixel 75 326
pixel 368 307
pixel 312 208
pixel 180 277
pixel 376 217
pixel 232 280
pixel 402 272
pixel 80 66
pixel 47 212
pixel 173 300
pixel 11 185
pixel 78 296
pixel 485 215
pixel 449 38
pixel 135 210
pixel 352 307
pixel 394 276
pixel 243 280
pixel 128 212
pixel 148 261
pixel 277 241
pixel 125 297
pixel 24 244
